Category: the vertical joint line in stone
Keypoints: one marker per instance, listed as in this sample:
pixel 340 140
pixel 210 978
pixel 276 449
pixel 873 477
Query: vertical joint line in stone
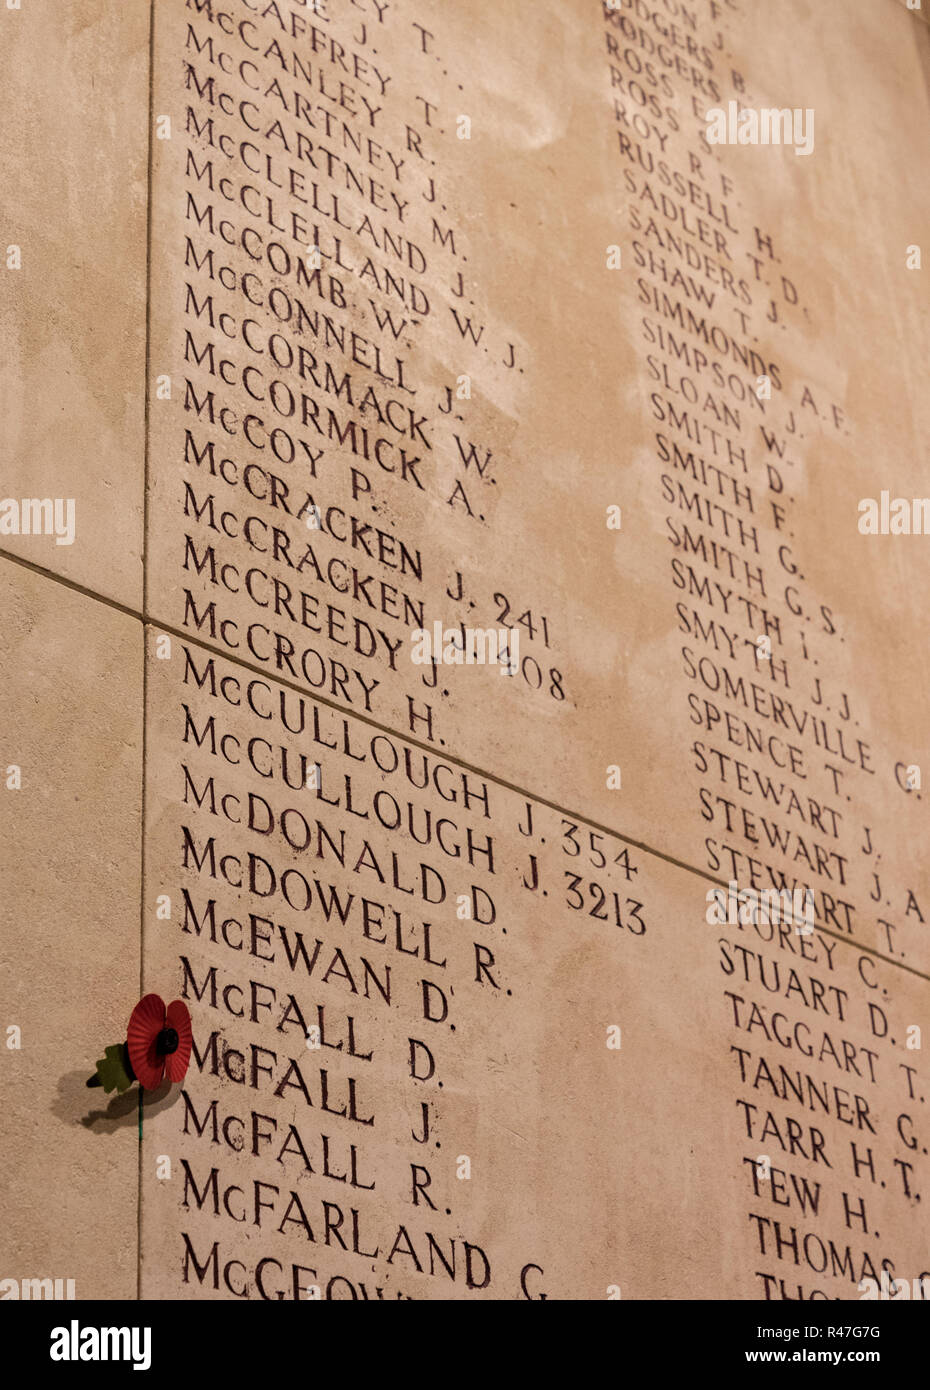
pixel 145 583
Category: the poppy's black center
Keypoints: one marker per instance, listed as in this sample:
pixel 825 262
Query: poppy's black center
pixel 166 1042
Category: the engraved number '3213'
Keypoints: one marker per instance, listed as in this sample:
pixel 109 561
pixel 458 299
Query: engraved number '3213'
pixel 578 893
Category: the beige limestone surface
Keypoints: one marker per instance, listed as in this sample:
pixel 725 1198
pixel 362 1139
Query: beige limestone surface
pixel 70 950
pixel 73 196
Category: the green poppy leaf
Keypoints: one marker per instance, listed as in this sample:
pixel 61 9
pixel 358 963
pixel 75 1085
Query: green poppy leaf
pixel 113 1069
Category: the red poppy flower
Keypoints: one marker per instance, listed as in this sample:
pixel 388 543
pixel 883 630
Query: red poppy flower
pixel 159 1041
